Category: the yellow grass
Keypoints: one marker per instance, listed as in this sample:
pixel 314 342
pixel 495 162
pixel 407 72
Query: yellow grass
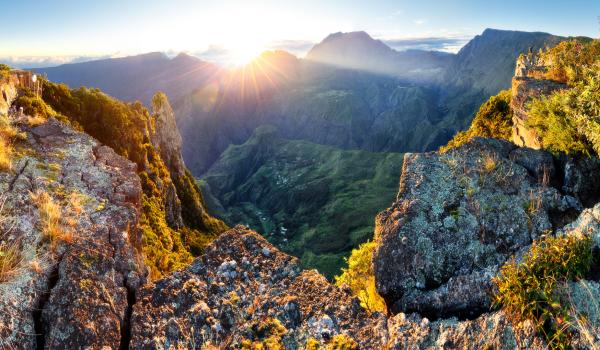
pixel 51 219
pixel 11 260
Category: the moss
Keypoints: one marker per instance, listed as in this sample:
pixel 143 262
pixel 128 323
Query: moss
pixel 342 342
pixel 530 290
pixel 266 334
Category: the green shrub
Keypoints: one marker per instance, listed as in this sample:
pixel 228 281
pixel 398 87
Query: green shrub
pixel 568 59
pixel 530 290
pixel 360 277
pixel 4 67
pixel 568 120
pixel 494 119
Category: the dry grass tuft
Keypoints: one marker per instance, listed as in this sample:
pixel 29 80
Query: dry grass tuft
pixel 7 133
pixel 53 228
pixel 11 260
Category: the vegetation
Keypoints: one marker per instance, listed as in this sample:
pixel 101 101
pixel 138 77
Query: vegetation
pixel 265 335
pixel 313 201
pixel 568 60
pixel 54 228
pixel 567 121
pixel 8 133
pixel 530 290
pixel 126 128
pixel 11 260
pixel 359 276
pixel 342 342
pixel 494 119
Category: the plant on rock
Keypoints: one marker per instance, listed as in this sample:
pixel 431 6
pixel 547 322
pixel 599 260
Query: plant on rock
pixel 530 289
pixel 359 276
pixel 494 119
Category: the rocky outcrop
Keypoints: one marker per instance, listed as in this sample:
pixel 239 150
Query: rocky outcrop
pixel 71 206
pixel 458 217
pixel 229 297
pixel 241 282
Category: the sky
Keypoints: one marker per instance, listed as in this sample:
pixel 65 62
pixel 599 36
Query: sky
pixel 49 32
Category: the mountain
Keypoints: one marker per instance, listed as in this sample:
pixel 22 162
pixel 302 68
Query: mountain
pixel 137 77
pixel 487 62
pixel 357 50
pixel 313 201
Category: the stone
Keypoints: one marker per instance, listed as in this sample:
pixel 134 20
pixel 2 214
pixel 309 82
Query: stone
pixel 463 214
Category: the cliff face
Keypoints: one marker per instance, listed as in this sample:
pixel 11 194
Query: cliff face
pixel 70 210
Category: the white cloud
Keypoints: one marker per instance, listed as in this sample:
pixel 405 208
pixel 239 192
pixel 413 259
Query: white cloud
pixel 419 21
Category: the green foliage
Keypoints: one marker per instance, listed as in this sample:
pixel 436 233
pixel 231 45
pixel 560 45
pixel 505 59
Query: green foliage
pixel 530 290
pixel 360 277
pixel 126 127
pixel 494 119
pixel 313 201
pixel 568 60
pixel 569 120
pixel 33 105
pixel 4 67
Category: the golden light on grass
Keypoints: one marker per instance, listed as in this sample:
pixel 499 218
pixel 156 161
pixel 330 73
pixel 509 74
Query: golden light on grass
pixel 11 260
pixel 53 229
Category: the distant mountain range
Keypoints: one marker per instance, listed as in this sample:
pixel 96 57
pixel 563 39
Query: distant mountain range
pixel 350 94
pixel 137 77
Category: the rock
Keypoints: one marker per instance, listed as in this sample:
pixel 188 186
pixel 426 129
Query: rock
pixel 276 288
pixel 457 218
pixel 80 282
pixel 581 178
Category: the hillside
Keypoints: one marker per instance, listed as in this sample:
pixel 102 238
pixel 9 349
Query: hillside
pixel 312 201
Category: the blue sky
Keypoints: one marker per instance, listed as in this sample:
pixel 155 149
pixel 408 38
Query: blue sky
pixel 70 30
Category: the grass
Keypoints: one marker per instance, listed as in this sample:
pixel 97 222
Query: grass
pixel 7 134
pixel 54 229
pixel 530 290
pixel 11 256
pixel 11 260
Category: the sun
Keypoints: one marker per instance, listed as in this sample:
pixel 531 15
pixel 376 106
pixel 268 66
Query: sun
pixel 244 53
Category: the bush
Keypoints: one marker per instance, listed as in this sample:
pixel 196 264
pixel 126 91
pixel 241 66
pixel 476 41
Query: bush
pixel 494 119
pixel 360 277
pixel 7 134
pixel 567 60
pixel 530 290
pixel 568 120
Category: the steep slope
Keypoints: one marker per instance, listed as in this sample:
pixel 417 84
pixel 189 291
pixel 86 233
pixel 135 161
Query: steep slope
pixel 315 202
pixel 136 77
pixel 487 62
pixel 174 220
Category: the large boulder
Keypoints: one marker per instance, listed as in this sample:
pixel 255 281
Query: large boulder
pixel 457 218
